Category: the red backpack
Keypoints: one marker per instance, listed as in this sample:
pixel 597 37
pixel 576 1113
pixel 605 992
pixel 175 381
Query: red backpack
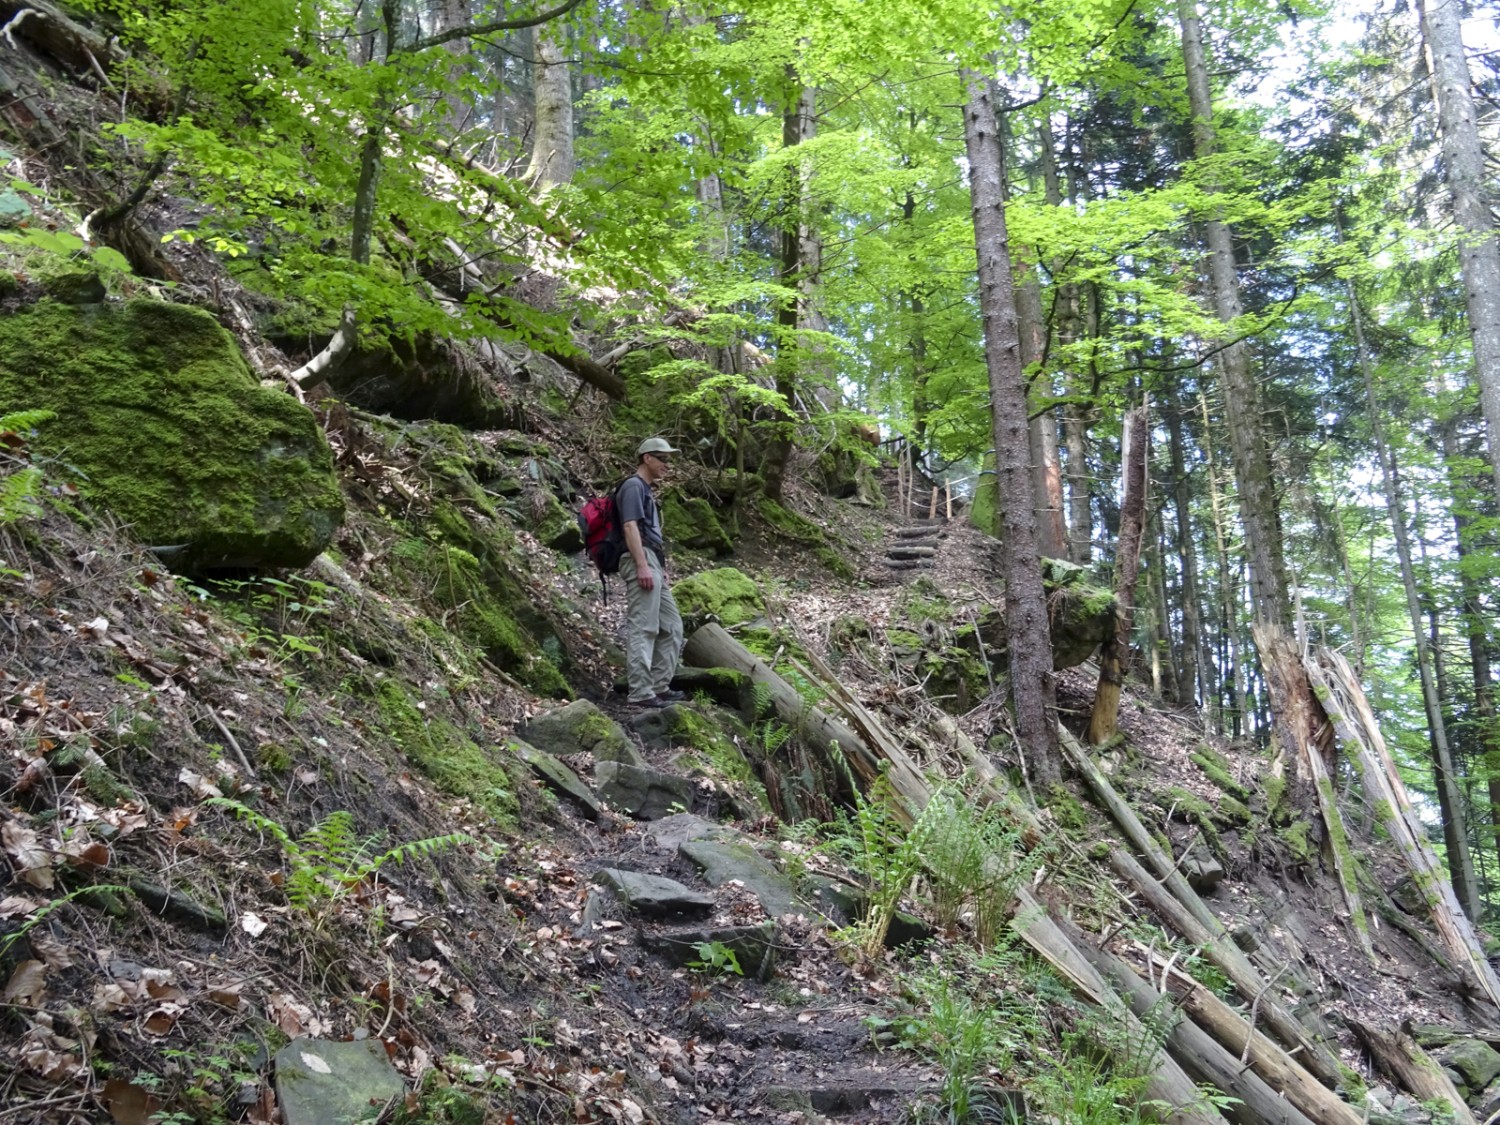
pixel 603 538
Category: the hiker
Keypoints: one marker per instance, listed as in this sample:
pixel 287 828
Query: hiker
pixel 653 627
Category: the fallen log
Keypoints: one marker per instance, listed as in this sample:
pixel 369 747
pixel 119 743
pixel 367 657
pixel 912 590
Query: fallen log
pixel 1167 1083
pixel 713 647
pixel 1191 918
pixel 1197 1052
pixel 1280 1070
pixel 1400 1057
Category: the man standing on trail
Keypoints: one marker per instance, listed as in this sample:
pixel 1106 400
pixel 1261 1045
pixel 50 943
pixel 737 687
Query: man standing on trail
pixel 653 627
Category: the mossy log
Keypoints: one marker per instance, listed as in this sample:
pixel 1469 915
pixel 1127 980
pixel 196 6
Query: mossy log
pixel 1197 1052
pixel 1280 1070
pixel 1401 1058
pixel 1190 912
pixel 712 647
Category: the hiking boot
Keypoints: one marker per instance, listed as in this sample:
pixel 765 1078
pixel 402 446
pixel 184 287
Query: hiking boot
pixel 650 703
pixel 670 696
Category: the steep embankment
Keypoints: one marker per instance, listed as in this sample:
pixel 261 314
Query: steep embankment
pixel 163 947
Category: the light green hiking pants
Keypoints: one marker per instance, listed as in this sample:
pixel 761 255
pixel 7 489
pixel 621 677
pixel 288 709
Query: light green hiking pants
pixel 653 631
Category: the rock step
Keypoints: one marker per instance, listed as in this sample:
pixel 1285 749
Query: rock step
pixel 909 564
pixel 912 532
pixel 906 553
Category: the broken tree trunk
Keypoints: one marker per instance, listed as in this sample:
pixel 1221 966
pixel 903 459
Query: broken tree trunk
pixel 712 647
pixel 1280 1070
pixel 1167 1083
pixel 1408 1064
pixel 1198 1053
pixel 1206 929
pixel 1358 732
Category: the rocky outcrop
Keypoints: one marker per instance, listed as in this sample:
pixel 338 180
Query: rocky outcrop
pixel 167 429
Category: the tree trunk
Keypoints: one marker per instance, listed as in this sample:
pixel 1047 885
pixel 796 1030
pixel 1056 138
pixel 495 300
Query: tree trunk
pixel 1077 413
pixel 1194 654
pixel 1445 779
pixel 1477 631
pixel 797 125
pixel 1031 681
pixel 458 113
pixel 1104 721
pixel 552 140
pixel 1464 166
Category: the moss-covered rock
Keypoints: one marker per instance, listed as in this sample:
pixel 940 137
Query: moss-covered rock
pixel 1077 615
pixel 170 431
pixel 690 522
pixel 453 760
pixel 726 593
pixel 580 728
pixel 557 527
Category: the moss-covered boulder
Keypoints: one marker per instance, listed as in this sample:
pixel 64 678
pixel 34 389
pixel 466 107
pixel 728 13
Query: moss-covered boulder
pixel 169 430
pixel 1077 613
pixel 726 593
pixel 557 527
pixel 580 728
pixel 690 522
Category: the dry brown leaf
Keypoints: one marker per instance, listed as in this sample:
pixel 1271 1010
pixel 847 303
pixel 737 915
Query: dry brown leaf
pixel 27 984
pixel 111 997
pixel 91 854
pixel 199 784
pixel 253 924
pixel 13 906
pixel 161 1021
pixel 227 995
pixel 128 1103
pixel 50 949
pixel 31 858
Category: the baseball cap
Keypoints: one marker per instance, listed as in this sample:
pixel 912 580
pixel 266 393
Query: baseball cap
pixel 655 445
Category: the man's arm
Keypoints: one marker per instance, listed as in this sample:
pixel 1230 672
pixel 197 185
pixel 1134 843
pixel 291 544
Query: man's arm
pixel 637 550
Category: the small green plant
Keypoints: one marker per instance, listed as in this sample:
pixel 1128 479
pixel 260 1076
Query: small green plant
pixel 885 855
pixel 21 487
pixel 330 859
pixel 716 959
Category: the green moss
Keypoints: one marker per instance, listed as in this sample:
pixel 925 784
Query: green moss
pixel 1067 809
pixel 726 593
pixel 1275 787
pixel 274 757
pixel 1235 811
pixel 171 432
pixel 1216 767
pixel 1297 836
pixel 454 762
pixel 690 522
pixel 836 564
pixel 797 528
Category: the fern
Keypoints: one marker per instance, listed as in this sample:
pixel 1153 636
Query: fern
pixel 20 421
pixel 330 859
pixel 18 495
pixel 20 490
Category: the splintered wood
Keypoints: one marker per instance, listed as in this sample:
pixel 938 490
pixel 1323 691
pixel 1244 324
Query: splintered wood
pixel 1358 733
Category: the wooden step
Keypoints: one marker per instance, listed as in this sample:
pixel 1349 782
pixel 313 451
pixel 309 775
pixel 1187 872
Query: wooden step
pixel 912 532
pixel 909 564
pixel 911 552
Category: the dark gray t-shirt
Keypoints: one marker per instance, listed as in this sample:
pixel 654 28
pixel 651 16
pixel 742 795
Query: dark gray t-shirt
pixel 635 501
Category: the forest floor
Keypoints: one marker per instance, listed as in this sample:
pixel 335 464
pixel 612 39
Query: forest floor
pixel 490 969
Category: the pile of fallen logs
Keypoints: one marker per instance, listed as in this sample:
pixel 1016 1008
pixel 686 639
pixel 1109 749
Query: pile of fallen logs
pixel 1270 1066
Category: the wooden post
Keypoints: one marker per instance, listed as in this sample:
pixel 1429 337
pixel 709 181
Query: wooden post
pixel 932 507
pixel 948 499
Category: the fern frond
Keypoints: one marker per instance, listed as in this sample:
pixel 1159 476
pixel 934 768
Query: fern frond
pixel 18 495
pixel 18 420
pixel 258 821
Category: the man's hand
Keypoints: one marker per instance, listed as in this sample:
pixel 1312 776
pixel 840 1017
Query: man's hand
pixel 645 579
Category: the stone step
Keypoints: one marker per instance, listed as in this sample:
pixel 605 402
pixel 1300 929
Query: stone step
pixel 911 552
